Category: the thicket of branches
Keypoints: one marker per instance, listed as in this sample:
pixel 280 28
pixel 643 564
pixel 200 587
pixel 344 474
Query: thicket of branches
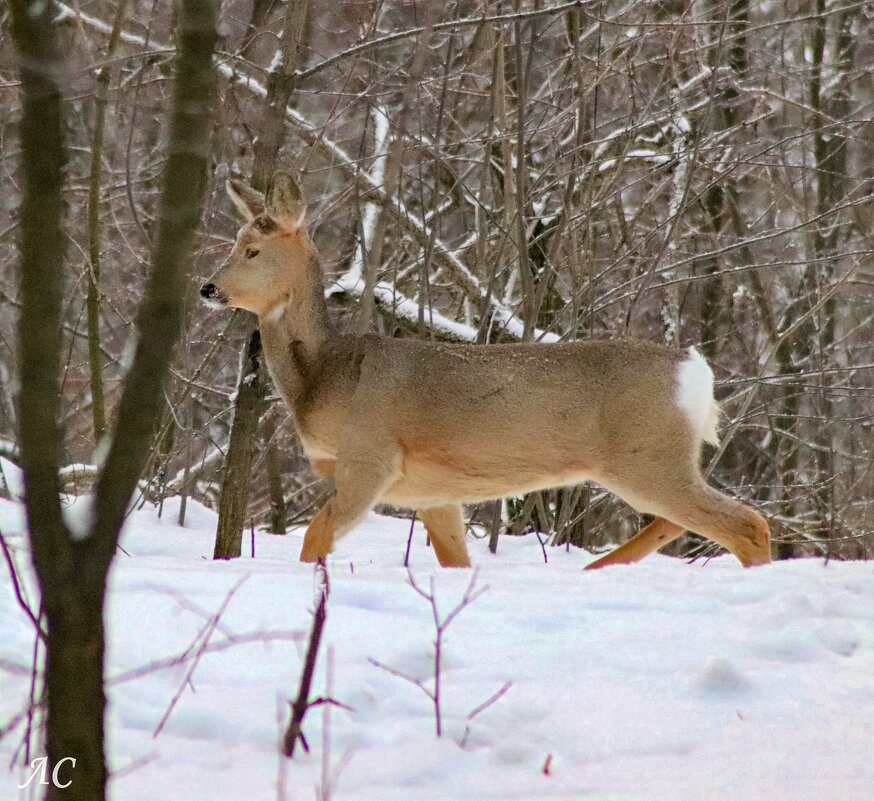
pixel 695 172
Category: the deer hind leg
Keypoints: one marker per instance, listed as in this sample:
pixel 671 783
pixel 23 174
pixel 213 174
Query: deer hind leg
pixel 650 538
pixel 446 529
pixel 681 497
pixel 361 475
pixel 727 522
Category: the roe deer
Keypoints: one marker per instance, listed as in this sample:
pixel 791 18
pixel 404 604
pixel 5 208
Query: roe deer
pixel 432 426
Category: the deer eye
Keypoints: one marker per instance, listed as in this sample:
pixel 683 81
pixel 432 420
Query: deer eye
pixel 251 253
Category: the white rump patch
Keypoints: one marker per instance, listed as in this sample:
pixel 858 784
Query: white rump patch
pixel 695 396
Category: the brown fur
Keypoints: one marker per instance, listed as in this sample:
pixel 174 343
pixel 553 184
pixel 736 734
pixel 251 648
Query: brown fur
pixel 432 426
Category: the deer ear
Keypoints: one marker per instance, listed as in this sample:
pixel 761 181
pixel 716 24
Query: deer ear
pixel 248 202
pixel 284 202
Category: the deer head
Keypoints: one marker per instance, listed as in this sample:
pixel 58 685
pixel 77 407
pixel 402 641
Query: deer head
pixel 272 258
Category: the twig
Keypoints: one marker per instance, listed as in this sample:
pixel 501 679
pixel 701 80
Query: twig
pixel 409 542
pixel 282 766
pixel 542 540
pixel 440 626
pixel 440 26
pixel 135 765
pixel 34 674
pixel 301 703
pixel 16 588
pixel 487 703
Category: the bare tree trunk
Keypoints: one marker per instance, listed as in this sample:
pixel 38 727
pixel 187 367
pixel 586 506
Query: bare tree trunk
pixel 280 86
pixel 74 721
pixel 249 396
pixel 273 463
pixel 728 43
pixel 809 347
pixel 260 12
pixel 71 570
pixel 241 448
pixel 95 357
pixel 830 157
pixel 526 279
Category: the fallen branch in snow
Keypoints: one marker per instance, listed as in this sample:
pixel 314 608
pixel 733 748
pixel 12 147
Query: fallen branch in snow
pixel 440 626
pixel 204 636
pixel 489 701
pixel 302 704
pixel 354 281
pixel 230 641
pixel 208 462
pixel 482 708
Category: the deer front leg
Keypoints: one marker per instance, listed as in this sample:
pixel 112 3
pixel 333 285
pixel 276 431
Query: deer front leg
pixel 363 471
pixel 445 526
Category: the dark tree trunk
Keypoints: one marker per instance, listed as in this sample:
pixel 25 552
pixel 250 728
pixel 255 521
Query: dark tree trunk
pixel 251 391
pixel 74 689
pixel 241 448
pixel 273 464
pixel 71 571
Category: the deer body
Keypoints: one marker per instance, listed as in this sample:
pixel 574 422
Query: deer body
pixel 431 426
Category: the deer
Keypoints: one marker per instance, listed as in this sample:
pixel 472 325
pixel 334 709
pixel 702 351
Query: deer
pixel 432 426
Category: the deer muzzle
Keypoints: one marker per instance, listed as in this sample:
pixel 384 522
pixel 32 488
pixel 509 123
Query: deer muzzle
pixel 213 295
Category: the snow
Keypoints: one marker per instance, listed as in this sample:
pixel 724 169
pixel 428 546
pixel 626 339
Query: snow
pixel 660 681
pixel 384 294
pixel 276 63
pixel 13 477
pixel 78 514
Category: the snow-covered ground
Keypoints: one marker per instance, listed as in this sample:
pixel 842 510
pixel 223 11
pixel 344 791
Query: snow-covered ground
pixel 655 681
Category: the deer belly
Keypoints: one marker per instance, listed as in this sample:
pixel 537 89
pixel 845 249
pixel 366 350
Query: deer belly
pixel 434 481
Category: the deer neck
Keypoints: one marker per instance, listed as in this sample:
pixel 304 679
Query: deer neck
pixel 293 332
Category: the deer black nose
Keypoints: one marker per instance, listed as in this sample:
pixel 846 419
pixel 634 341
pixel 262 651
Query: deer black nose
pixel 207 290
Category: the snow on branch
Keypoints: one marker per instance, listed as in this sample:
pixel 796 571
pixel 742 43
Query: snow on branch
pixel 355 274
pixel 456 268
pixel 385 295
pixel 501 315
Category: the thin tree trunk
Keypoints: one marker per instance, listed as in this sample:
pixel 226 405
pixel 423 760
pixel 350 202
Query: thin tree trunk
pixel 76 702
pixel 95 357
pixel 74 720
pixel 249 396
pixel 830 156
pixel 273 464
pixel 526 280
pixel 251 388
pixel 815 336
pixel 729 44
